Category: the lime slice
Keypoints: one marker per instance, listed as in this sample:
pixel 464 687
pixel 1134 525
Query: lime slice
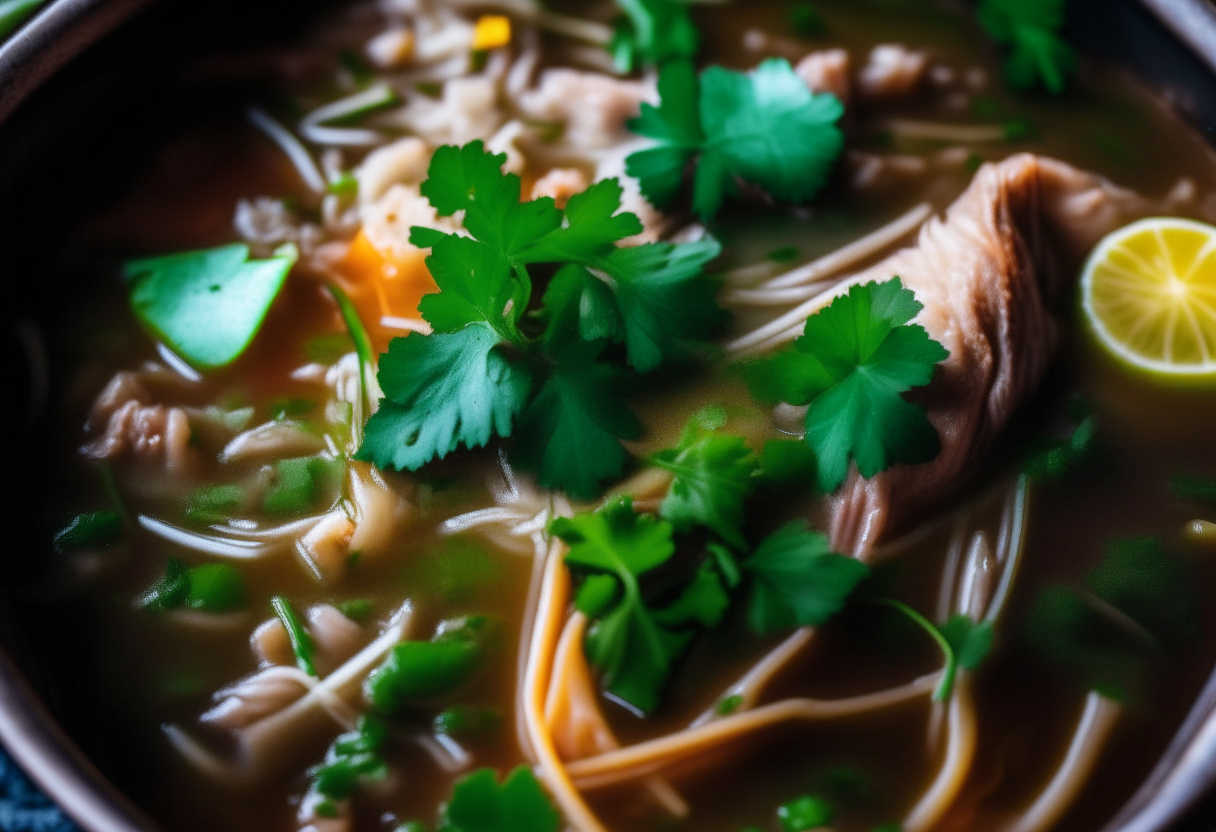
pixel 1149 292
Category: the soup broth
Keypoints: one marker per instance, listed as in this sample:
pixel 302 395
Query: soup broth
pixel 469 535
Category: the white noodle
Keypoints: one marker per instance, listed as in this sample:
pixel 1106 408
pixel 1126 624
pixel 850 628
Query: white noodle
pixel 960 751
pixel 1011 547
pixel 1088 739
pixel 749 687
pixel 854 252
pixel 304 164
pixel 206 544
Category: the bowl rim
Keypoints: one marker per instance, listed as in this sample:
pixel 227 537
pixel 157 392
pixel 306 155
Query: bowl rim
pixel 63 30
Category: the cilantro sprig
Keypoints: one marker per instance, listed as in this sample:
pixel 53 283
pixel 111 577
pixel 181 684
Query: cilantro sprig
pixel 504 346
pixel 763 127
pixel 1030 29
pixel 964 643
pixel 853 364
pixel 652 32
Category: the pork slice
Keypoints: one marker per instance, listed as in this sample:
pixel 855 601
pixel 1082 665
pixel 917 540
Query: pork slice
pixel 987 273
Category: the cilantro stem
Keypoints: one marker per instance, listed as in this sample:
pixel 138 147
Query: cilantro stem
pixel 363 342
pixel 110 485
pixel 301 642
pixel 946 685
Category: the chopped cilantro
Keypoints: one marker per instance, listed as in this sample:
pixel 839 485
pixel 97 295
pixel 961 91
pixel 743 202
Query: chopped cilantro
pixel 855 360
pixel 417 670
pixel 764 127
pixel 1030 28
pixel 465 721
pixel 207 305
pixel 653 32
pixel 480 804
pixel 353 757
pixel 357 610
pixel 301 642
pixel 785 254
pixel 631 642
pixel 807 21
pixel 963 642
pixel 298 484
pixel 1194 489
pixel 214 504
pixel 798 580
pixel 727 705
pixel 90 530
pixel 209 587
pixel 788 462
pixel 805 813
pixel 712 476
pixel 1052 458
pixel 572 429
pixel 442 391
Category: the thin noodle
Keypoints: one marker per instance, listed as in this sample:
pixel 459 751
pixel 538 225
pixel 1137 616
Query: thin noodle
pixel 960 752
pixel 1088 739
pixel 752 683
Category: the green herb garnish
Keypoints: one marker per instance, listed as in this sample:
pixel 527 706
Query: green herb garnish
pixel 301 642
pixel 853 364
pixel 465 721
pixel 480 804
pixel 353 757
pixel 214 504
pixel 764 127
pixel 207 305
pixel 488 361
pixel 416 670
pixel 209 587
pixel 712 476
pixel 299 483
pixel 90 530
pixel 1030 28
pixel 1194 489
pixel 798 580
pixel 805 813
pixel 633 642
pixel 653 32
pixel 357 610
pixel 964 643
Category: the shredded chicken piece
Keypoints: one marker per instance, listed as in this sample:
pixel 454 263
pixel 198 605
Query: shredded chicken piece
pixel 403 162
pixel 987 274
pixel 893 70
pixel 149 431
pixel 467 110
pixel 387 220
pixel 827 71
pixel 326 548
pixel 560 184
pixel 593 107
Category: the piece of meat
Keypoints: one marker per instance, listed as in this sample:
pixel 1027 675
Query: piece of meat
pixel 987 275
pixel 827 71
pixel 892 71
pixel 560 184
pixel 149 431
pixel 593 107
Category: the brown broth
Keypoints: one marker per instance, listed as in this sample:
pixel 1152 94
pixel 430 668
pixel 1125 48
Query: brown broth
pixel 139 671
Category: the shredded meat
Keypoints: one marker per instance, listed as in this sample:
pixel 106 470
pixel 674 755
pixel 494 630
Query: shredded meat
pixel 893 70
pixel 132 426
pixel 987 274
pixel 560 184
pixel 827 71
pixel 593 107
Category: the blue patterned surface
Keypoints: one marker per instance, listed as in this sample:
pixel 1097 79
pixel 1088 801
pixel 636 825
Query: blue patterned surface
pixel 23 808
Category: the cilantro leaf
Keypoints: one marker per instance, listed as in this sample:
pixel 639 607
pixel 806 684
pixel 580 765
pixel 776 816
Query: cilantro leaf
pixel 676 127
pixel 703 601
pixel 442 391
pixel 764 127
pixel 578 407
pixel 855 360
pixel 94 529
pixel 207 306
pixel 712 476
pixel 971 641
pixel 1138 577
pixel 1053 458
pixel 416 670
pixel 664 298
pixel 480 804
pixel 656 31
pixel 579 306
pixel 798 580
pixel 592 227
pixel 208 587
pixel 1030 28
pixel 805 813
pixel 626 642
pixel 475 285
pixel 353 756
pixel 470 179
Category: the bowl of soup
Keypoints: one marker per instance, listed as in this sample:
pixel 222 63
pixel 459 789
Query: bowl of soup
pixel 495 416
